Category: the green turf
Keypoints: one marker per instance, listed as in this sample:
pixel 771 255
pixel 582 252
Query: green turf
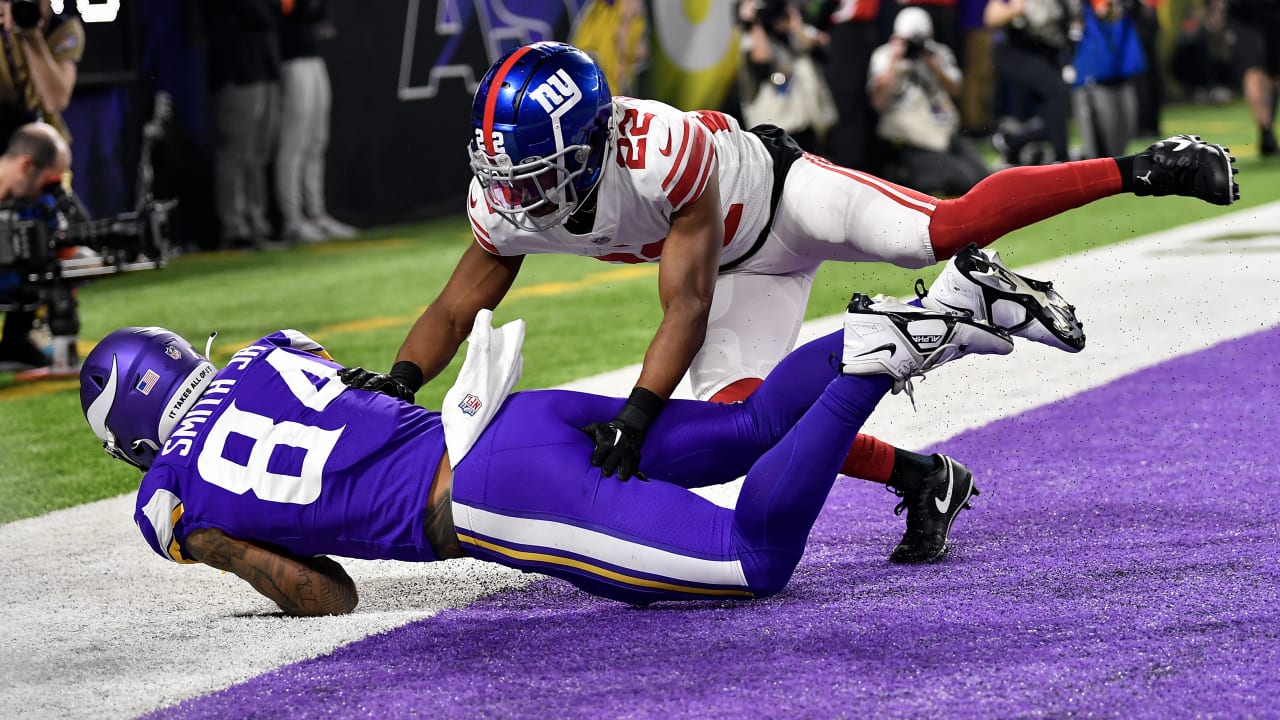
pixel 360 297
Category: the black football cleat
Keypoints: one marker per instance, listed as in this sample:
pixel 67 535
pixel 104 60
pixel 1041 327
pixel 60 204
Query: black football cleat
pixel 1268 146
pixel 931 508
pixel 1186 165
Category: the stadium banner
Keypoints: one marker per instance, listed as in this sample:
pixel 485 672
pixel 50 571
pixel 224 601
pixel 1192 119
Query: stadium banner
pixel 403 74
pixel 695 52
pixel 615 34
pixel 435 53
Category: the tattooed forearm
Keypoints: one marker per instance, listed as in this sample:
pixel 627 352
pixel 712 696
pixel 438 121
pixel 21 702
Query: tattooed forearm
pixel 300 586
pixel 440 531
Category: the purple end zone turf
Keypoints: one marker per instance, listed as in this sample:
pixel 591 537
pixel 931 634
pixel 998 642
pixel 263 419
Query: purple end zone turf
pixel 1120 562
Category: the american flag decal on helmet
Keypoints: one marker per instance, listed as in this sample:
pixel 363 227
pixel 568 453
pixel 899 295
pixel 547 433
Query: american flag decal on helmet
pixel 147 382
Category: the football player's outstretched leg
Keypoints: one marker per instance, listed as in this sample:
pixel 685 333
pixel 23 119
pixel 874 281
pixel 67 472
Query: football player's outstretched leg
pixel 1016 197
pixel 885 345
pixel 750 550
pixel 739 220
pixel 265 467
pixel 897 339
pixel 977 282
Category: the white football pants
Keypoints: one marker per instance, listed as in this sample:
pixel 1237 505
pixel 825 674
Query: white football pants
pixel 826 212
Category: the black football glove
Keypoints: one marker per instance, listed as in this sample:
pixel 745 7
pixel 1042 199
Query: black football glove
pixel 402 382
pixel 617 442
pixel 617 449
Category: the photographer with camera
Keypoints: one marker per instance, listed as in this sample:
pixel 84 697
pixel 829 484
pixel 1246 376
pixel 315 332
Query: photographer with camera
pixel 37 156
pixel 38 64
pixel 779 82
pixel 913 83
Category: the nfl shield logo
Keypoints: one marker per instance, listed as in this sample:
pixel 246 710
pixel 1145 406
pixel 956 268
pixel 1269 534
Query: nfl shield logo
pixel 470 404
pixel 173 352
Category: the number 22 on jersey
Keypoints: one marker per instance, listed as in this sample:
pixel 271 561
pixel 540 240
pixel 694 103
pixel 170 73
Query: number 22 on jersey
pixel 632 142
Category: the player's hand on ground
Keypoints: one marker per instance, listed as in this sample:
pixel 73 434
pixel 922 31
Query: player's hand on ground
pixel 617 449
pixel 361 379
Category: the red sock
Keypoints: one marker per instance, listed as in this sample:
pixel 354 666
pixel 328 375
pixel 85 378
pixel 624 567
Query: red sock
pixel 1017 197
pixel 869 459
pixel 735 391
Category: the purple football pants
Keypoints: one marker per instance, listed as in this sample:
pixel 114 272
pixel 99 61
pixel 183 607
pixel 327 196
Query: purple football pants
pixel 527 496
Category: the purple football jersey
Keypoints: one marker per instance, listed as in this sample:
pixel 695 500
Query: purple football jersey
pixel 277 450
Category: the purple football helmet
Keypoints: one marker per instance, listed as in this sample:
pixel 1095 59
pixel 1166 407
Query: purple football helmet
pixel 136 385
pixel 541 119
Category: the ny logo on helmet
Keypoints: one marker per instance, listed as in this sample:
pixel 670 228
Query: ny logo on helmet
pixel 558 94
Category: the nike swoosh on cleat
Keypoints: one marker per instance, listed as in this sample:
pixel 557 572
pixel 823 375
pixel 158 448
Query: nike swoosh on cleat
pixel 956 308
pixel 892 348
pixel 944 502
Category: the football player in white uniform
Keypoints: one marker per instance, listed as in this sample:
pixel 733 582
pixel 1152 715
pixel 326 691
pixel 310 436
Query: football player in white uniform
pixel 738 222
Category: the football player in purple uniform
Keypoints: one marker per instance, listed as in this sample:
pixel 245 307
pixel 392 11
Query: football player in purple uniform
pixel 739 222
pixel 266 466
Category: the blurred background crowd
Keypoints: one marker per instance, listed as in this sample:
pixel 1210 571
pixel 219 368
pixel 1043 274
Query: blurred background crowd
pixel 934 94
pixel 276 122
pixel 271 96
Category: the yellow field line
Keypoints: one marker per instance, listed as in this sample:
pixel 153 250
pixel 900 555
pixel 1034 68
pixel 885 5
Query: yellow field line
pixel 591 280
pixel 549 289
pixel 42 387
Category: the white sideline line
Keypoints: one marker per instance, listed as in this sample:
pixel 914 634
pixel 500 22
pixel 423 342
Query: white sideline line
pixel 93 624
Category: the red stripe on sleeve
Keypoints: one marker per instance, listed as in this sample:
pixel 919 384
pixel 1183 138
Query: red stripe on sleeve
pixel 700 156
pixel 680 155
pixel 482 237
pixel 702 184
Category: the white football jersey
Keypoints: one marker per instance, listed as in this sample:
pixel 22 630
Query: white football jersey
pixel 662 160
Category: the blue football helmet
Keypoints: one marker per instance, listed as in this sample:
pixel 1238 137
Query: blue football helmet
pixel 541 117
pixel 136 385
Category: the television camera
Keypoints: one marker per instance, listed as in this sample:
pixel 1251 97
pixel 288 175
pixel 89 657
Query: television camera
pixel 43 243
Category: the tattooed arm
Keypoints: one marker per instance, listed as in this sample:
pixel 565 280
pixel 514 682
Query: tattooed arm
pixel 441 533
pixel 300 586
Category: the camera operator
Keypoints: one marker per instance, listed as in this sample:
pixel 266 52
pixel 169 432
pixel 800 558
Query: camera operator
pixel 913 82
pixel 780 83
pixel 37 156
pixel 38 64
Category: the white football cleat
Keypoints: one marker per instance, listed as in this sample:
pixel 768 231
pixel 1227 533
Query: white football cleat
pixel 886 337
pixel 977 282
